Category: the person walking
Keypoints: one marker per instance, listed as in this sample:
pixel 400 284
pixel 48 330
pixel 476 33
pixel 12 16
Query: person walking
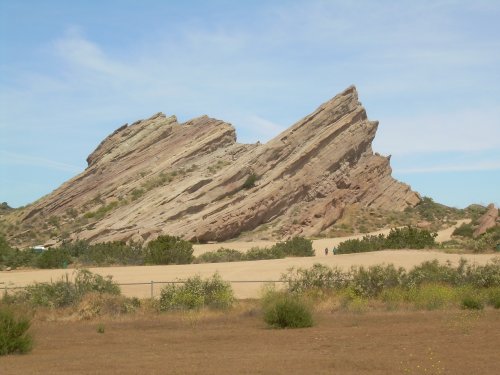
pixel 334 251
pixel 326 251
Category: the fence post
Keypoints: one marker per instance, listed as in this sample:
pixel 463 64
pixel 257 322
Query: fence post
pixel 152 288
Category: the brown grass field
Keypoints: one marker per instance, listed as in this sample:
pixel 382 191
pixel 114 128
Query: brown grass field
pixel 377 342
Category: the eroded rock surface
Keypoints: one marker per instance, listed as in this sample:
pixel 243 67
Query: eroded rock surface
pixel 194 180
pixel 487 221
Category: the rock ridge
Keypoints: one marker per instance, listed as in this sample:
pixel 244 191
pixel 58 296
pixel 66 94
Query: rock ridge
pixel 194 180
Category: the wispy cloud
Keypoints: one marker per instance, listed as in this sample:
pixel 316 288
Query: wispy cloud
pixel 10 158
pixel 471 167
pixel 78 51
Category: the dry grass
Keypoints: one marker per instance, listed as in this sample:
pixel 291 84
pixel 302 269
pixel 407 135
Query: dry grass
pixel 238 342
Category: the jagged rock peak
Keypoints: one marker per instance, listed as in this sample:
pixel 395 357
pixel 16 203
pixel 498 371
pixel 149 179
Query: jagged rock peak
pixel 194 180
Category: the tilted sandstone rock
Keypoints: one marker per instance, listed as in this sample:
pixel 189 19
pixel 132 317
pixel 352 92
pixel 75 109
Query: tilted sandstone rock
pixel 194 180
pixel 487 221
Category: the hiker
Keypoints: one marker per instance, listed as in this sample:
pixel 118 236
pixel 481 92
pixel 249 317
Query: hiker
pixel 326 251
pixel 334 251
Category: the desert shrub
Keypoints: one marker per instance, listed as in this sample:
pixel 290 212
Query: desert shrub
pixel 296 246
pixel 169 250
pixel 65 292
pixel 482 276
pixel 433 272
pixel 259 253
pixel 431 211
pixel 486 242
pixel 76 248
pixel 4 247
pixel 367 243
pixel 86 281
pixel 394 297
pixel 95 304
pixel 464 230
pixel 102 211
pixel 219 256
pixel 321 277
pixel 493 297
pixel 398 238
pixel 250 181
pixel 471 302
pixel 14 258
pixel 14 336
pixel 285 310
pixel 196 293
pixel 410 237
pixel 53 258
pixel 137 193
pixel 431 296
pixel 116 252
pixel 371 281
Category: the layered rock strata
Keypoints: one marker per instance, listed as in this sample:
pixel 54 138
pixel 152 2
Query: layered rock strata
pixel 194 180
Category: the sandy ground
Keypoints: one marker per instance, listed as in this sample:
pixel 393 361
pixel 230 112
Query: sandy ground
pixel 375 343
pixel 248 277
pixel 318 245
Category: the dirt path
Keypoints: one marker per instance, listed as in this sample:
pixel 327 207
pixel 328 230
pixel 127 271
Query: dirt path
pixel 373 343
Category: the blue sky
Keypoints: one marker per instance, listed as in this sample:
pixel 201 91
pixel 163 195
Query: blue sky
pixel 73 71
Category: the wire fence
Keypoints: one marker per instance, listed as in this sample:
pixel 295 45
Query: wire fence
pixel 6 287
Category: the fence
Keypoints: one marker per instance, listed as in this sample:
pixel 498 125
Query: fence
pixel 152 284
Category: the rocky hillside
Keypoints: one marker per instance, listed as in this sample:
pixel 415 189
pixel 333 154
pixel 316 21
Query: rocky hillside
pixel 194 180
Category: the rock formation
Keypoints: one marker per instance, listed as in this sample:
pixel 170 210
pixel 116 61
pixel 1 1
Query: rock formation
pixel 487 221
pixel 194 180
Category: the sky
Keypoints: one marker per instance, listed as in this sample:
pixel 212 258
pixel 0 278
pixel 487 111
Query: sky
pixel 71 72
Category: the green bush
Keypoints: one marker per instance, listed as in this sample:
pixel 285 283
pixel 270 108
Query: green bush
pixel 14 258
pixel 494 297
pixel 431 296
pixel 65 292
pixel 320 277
pixel 258 253
pixel 464 230
pixel 14 336
pixel 76 248
pixel 486 242
pixel 250 181
pixel 196 293
pixel 219 256
pixel 102 211
pixel 370 282
pixel 285 310
pixel 296 246
pixel 398 238
pixel 373 280
pixel 471 302
pixel 53 258
pixel 107 253
pixel 169 250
